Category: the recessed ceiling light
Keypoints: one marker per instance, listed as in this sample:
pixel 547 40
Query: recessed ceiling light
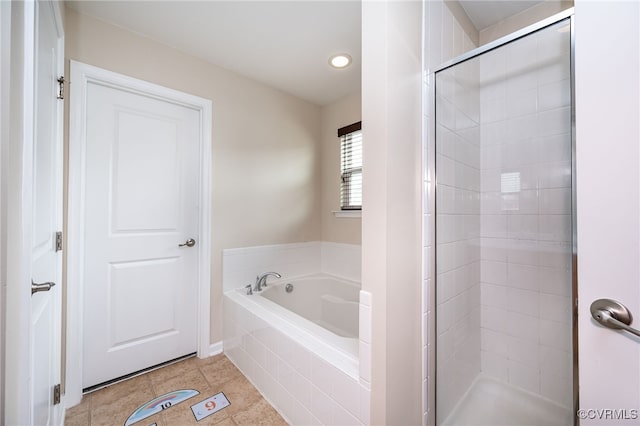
pixel 341 60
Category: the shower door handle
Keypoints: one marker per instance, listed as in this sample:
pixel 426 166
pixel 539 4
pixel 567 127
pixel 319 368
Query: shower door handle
pixel 613 314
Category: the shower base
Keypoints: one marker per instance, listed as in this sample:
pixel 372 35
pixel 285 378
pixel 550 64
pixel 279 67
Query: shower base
pixel 491 402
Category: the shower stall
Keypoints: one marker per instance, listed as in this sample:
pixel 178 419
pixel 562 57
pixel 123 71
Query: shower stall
pixel 505 286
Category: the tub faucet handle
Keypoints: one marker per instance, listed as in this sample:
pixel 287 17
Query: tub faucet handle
pixel 249 289
pixel 261 280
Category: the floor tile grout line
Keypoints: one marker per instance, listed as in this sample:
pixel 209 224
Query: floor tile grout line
pixel 222 369
pixel 90 407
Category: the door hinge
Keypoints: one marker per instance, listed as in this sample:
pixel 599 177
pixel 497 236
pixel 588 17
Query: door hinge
pixel 61 87
pixel 56 394
pixel 58 241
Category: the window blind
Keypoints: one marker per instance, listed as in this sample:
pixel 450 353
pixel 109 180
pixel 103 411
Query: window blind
pixel 351 167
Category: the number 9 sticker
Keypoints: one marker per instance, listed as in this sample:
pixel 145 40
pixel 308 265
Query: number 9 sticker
pixel 209 406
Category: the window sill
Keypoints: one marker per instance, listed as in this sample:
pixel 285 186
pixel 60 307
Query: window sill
pixel 348 214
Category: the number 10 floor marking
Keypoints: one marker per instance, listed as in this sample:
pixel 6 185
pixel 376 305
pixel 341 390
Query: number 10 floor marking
pixel 160 403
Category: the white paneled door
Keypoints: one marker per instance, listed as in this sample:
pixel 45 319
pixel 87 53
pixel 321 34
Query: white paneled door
pixel 46 215
pixel 141 208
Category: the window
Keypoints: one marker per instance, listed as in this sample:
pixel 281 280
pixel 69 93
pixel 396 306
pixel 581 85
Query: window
pixel 351 166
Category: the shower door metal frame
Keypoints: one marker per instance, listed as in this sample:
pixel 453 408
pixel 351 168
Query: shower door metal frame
pixel 568 15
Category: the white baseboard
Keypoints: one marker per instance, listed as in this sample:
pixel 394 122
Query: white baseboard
pixel 215 348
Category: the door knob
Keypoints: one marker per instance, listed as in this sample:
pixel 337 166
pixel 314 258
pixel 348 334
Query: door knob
pixel 189 243
pixel 613 314
pixel 35 288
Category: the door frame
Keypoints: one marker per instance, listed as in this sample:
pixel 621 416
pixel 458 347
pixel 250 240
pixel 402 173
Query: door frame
pixel 81 75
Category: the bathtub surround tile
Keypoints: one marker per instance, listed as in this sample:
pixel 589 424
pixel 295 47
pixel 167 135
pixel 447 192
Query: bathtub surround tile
pixel 346 391
pixel 314 391
pixel 265 335
pixel 365 364
pixel 256 349
pixel 271 366
pixel 365 323
pixel 344 418
pixel 323 375
pixel 260 377
pixel 288 367
pixel 286 403
pixel 365 405
pixel 300 415
pixel 365 298
pixel 297 356
pixel 240 266
pixel 341 260
pixel 322 407
pixel 294 382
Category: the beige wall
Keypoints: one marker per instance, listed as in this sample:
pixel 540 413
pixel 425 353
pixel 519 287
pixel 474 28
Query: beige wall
pixel 266 144
pixel 339 114
pixel 391 222
pixel 523 19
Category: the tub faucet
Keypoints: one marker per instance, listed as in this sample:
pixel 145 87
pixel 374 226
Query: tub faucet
pixel 261 280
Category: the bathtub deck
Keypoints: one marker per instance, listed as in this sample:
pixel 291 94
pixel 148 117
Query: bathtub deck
pixel 493 403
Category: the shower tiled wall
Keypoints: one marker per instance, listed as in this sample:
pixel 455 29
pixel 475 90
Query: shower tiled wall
pixel 504 226
pixel 526 214
pixel 444 38
pixel 458 231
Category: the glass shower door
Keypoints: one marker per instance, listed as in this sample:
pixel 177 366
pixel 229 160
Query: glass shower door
pixel 504 285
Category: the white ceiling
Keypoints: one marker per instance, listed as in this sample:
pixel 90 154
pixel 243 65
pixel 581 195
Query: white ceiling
pixel 285 44
pixel 484 13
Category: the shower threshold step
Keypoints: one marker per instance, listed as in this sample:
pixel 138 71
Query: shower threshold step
pixel 491 402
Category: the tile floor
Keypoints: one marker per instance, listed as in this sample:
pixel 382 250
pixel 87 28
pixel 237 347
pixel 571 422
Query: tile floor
pixel 114 404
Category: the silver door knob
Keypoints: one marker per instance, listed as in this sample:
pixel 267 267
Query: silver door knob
pixel 613 314
pixel 35 287
pixel 189 243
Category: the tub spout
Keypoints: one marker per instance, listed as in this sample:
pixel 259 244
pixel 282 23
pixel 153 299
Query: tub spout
pixel 261 280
